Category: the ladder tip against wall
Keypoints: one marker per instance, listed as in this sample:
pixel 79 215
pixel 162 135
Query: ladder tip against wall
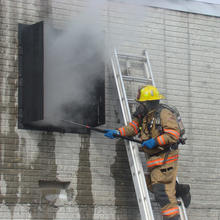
pixel 131 56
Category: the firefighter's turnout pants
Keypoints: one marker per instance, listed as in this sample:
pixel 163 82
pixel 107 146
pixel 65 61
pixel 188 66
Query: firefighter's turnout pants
pixel 162 181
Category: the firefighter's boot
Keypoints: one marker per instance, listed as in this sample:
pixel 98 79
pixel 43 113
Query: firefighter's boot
pixel 177 217
pixel 183 191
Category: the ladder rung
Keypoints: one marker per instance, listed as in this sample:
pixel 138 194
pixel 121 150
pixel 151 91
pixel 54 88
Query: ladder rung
pixel 130 56
pixel 135 79
pixel 132 101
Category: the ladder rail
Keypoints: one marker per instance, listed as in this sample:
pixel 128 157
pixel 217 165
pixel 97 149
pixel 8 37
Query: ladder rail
pixel 144 200
pixel 182 210
pixel 132 149
pixel 149 67
pixel 126 115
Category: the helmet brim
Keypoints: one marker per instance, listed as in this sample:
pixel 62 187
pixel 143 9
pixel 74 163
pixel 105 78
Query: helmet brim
pixel 158 98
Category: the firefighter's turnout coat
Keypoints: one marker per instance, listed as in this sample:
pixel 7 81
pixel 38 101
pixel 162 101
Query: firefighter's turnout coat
pixel 163 166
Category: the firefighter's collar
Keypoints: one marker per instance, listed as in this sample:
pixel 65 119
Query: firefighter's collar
pixel 151 112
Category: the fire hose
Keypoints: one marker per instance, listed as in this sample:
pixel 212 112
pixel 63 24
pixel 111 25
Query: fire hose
pixel 116 135
pixel 102 131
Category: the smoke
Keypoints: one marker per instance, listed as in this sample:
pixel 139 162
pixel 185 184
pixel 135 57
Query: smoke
pixel 75 56
pixel 74 65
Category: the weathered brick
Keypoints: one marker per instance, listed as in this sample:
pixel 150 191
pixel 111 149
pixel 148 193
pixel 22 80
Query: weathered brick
pixel 184 52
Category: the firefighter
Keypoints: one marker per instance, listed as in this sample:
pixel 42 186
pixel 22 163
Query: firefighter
pixel 161 146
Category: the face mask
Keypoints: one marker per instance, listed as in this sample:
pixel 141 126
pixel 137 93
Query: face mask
pixel 150 105
pixel 147 105
pixel 142 110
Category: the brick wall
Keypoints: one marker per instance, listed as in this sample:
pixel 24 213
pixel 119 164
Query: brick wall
pixel 185 56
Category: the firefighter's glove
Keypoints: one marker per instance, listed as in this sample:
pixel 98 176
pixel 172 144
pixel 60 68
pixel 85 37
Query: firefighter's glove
pixel 111 133
pixel 151 143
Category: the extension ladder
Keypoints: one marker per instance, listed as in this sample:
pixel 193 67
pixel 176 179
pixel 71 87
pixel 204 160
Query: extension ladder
pixel 128 80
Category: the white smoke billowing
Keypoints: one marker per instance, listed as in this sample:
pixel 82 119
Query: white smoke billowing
pixel 74 62
pixel 75 56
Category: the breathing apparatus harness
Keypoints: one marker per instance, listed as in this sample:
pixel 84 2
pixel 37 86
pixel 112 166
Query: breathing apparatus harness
pixel 173 109
pixel 141 112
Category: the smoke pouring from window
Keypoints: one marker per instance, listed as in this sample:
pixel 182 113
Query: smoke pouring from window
pixel 75 57
pixel 74 64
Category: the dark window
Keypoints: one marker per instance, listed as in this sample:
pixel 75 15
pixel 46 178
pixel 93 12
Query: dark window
pixel 61 77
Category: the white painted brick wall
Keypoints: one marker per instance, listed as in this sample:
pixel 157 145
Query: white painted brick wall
pixel 184 51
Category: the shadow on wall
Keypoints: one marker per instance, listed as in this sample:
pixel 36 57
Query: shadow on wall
pixel 44 168
pixel 84 197
pixel 125 198
pixel 21 180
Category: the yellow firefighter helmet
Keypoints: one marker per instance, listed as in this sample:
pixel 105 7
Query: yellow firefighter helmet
pixel 148 93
